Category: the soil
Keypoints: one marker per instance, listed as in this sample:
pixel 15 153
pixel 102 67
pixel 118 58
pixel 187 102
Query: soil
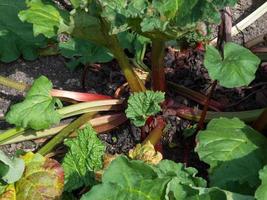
pixel 186 70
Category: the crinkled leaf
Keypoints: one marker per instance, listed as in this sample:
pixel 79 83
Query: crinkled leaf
pixel 43 178
pixel 261 192
pixel 185 175
pixel 133 179
pixel 83 159
pixel 236 69
pixel 8 193
pixel 46 19
pixel 231 147
pixel 141 105
pixel 37 111
pixel 16 37
pixel 164 19
pixel 128 180
pixel 11 169
pixel 84 52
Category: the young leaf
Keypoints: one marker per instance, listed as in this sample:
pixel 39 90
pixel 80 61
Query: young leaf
pixel 141 105
pixel 11 170
pixel 43 178
pixel 236 69
pixel 261 192
pixel 231 147
pixel 37 111
pixel 145 152
pixel 83 159
pixel 16 37
pixel 46 18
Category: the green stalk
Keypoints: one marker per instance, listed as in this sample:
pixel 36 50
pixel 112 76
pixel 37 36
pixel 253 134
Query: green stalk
pixel 158 73
pixel 94 106
pixel 68 111
pixel 13 84
pixel 135 83
pixel 113 44
pixel 65 133
pixel 11 133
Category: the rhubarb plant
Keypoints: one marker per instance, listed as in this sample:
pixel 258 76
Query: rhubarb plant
pixel 101 22
pixel 161 21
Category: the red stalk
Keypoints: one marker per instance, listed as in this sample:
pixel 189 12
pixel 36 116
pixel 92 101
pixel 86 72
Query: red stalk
pixel 78 96
pixel 156 134
pixel 205 109
pixel 158 73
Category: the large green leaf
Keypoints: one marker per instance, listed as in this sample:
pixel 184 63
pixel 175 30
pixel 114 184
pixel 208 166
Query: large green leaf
pixel 261 192
pixel 83 159
pixel 128 180
pixel 46 19
pixel 16 37
pixel 231 147
pixel 141 105
pixel 43 178
pixel 11 170
pixel 37 111
pixel 236 69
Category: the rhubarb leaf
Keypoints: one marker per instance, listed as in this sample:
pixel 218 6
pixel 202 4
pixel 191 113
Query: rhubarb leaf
pixel 236 69
pixel 46 18
pixel 128 180
pixel 37 111
pixel 165 19
pixel 83 159
pixel 43 178
pixel 141 105
pixel 261 192
pixel 134 179
pixel 231 147
pixel 84 52
pixel 16 37
pixel 11 170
